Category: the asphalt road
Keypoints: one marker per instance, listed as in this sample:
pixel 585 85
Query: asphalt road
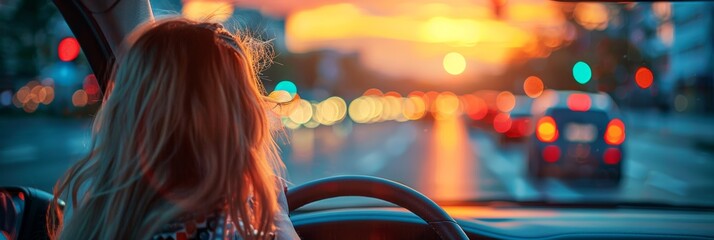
pixel 446 160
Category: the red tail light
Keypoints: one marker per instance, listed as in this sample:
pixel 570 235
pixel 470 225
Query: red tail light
pixel 615 132
pixel 546 129
pixel 612 156
pixel 551 153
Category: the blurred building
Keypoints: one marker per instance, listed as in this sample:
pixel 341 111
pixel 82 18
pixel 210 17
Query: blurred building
pixel 691 72
pixel 678 38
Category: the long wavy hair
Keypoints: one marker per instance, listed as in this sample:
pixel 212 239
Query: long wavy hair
pixel 182 129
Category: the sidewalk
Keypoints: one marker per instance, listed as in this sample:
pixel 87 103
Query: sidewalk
pixel 672 128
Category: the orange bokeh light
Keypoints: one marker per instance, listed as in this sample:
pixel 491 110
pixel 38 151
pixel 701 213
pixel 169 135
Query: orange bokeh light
pixel 615 133
pixel 475 107
pixel 533 86
pixel 547 130
pixel 505 101
pixel 446 105
pixel 372 92
pixel 79 98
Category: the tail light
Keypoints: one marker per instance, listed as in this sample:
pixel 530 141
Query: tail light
pixel 551 153
pixel 612 156
pixel 547 130
pixel 615 132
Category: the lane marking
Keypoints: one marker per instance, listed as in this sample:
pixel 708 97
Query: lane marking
pixel 509 172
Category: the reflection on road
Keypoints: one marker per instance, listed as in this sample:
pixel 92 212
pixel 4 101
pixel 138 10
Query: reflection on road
pixel 449 167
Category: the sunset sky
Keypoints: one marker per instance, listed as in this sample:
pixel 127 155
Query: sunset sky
pixel 411 38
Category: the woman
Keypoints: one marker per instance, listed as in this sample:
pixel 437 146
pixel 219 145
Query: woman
pixel 182 147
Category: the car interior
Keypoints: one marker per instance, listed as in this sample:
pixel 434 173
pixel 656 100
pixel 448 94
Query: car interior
pixel 401 212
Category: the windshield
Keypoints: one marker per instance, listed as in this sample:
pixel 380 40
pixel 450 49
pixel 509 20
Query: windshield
pixel 465 101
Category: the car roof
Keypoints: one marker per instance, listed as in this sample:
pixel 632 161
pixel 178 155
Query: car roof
pixel 558 99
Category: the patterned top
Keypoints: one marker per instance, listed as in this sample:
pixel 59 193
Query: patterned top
pixel 217 225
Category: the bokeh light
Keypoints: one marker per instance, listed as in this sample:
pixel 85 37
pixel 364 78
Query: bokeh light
pixel 6 98
pixel 505 101
pixel 665 32
pixel 330 111
pixel 286 86
pixel 592 16
pixel 302 113
pixel 23 94
pixel 502 122
pixel 414 107
pixel 392 108
pixel 38 94
pixel 533 86
pixel 551 153
pixel 359 110
pixel 582 72
pixel 91 87
pixel 68 49
pixel 615 132
pixel 546 130
pixel 579 102
pixel 213 11
pixel 644 77
pixel 49 95
pixel 446 105
pixel 79 98
pixel 475 107
pixel 680 103
pixel 454 63
pixel 30 107
pixel 373 92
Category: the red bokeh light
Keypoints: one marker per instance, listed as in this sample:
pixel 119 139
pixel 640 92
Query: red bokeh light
pixel 612 156
pixel 68 49
pixel 579 102
pixel 551 153
pixel 644 77
pixel 476 107
pixel 90 85
pixel 502 123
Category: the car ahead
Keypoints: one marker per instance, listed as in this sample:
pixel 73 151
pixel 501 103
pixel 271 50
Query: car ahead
pixel 578 135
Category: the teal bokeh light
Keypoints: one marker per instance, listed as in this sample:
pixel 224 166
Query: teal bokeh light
pixel 287 86
pixel 582 72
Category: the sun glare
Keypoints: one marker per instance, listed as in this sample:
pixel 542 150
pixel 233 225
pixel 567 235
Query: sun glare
pixel 454 63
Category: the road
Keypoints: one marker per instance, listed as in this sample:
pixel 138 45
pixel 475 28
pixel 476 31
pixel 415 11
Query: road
pixel 446 160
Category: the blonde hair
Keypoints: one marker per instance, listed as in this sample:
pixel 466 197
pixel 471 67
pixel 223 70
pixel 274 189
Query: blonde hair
pixel 184 130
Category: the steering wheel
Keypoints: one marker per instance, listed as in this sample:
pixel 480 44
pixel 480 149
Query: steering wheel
pixel 367 186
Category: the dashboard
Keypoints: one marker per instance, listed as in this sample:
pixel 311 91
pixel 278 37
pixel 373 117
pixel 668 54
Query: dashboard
pixel 508 223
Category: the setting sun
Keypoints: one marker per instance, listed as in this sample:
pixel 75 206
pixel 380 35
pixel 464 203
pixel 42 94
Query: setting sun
pixel 454 63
